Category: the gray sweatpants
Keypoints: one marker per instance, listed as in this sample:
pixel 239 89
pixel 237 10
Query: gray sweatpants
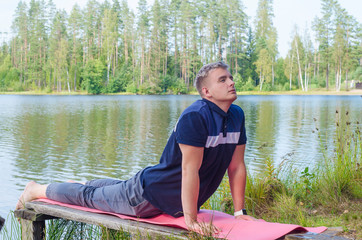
pixel 123 197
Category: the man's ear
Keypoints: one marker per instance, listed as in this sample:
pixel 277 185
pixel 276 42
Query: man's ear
pixel 205 92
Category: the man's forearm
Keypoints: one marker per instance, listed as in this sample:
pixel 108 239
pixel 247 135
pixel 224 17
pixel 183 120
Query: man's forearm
pixel 190 193
pixel 237 179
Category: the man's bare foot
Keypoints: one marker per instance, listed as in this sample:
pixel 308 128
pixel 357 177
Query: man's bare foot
pixel 32 191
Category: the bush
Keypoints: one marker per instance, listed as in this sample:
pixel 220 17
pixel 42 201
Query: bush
pixel 121 80
pixel 131 87
pixel 267 87
pixel 167 82
pixel 179 87
pixel 93 74
pixel 357 75
pixel 114 86
pixel 286 86
pixel 18 86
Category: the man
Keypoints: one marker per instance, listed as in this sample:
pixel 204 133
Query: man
pixel 208 139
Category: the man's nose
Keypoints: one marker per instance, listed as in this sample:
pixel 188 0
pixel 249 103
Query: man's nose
pixel 231 82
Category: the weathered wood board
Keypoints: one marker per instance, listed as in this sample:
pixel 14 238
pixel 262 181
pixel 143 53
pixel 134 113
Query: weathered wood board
pixel 37 212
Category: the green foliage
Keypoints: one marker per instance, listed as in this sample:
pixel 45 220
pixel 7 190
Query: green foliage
pixel 93 74
pixel 166 83
pixel 287 209
pixel 120 81
pixel 280 77
pixel 267 87
pixel 7 74
pixel 307 179
pixel 357 75
pixel 239 83
pixel 110 234
pixel 131 87
pixel 286 86
pixel 318 196
pixel 340 178
pixel 161 44
pixel 178 87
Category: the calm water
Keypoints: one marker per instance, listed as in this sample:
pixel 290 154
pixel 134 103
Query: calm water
pixel 55 138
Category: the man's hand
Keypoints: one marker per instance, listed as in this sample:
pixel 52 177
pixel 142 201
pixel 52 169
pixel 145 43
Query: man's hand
pixel 201 227
pixel 246 217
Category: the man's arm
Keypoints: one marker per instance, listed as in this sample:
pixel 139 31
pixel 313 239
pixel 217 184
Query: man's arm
pixel 191 163
pixel 237 179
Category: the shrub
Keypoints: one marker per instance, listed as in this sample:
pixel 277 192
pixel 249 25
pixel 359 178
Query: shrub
pixel 131 87
pixel 179 87
pixel 93 74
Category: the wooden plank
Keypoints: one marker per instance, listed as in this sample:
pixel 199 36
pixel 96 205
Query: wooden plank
pixel 108 221
pixel 31 215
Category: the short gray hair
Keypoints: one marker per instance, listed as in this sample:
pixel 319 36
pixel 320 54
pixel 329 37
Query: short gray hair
pixel 204 72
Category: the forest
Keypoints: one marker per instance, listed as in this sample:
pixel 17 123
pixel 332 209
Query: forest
pixel 109 48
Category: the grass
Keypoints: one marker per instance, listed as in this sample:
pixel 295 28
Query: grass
pixel 330 194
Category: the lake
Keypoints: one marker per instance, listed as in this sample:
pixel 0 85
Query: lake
pixel 56 138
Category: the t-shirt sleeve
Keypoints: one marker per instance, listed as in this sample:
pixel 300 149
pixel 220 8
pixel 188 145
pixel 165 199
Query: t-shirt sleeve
pixel 242 138
pixel 191 130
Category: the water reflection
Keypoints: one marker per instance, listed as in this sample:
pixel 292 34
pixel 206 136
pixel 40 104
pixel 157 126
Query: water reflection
pixel 288 127
pixel 55 138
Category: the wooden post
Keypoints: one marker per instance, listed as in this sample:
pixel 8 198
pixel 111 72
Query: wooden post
pixel 32 230
pixel 2 221
pixel 32 224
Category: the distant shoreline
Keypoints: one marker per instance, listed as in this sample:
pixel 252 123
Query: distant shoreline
pixel 292 93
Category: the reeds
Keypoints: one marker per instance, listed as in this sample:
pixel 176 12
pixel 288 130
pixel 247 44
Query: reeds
pixel 11 229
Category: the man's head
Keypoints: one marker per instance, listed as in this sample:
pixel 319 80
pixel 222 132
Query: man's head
pixel 215 83
pixel 204 72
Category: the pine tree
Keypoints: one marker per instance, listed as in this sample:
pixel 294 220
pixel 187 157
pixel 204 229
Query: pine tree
pixel 58 52
pixel 19 50
pixel 324 32
pixel 266 41
pixel 75 43
pixel 143 31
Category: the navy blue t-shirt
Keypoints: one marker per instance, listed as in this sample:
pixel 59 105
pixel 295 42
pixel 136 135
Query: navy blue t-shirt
pixel 202 124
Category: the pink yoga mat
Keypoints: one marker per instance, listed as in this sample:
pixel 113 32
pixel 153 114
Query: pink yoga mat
pixel 230 227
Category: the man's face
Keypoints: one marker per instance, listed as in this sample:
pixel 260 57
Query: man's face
pixel 219 86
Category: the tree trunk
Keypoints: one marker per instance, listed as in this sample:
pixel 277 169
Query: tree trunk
pixel 315 65
pixel 272 68
pixel 299 68
pixel 125 48
pixel 327 76
pixel 291 73
pixel 108 69
pixel 68 80
pixel 75 74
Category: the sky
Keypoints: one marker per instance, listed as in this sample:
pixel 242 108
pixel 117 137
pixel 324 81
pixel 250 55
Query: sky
pixel 287 14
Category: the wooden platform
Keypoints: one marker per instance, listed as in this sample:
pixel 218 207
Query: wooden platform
pixel 35 213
